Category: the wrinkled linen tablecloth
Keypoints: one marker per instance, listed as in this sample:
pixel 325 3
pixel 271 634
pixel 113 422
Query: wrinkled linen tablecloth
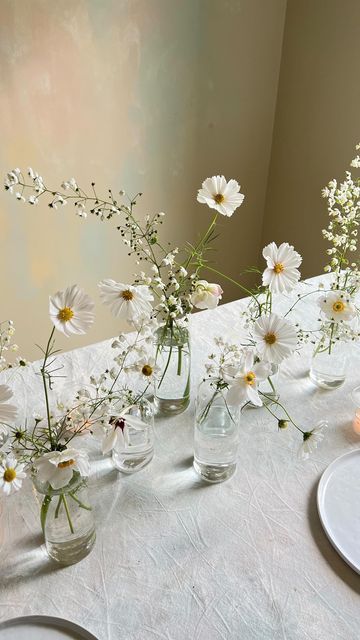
pixel 178 559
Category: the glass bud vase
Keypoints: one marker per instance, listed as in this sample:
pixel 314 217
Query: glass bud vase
pixel 135 449
pixel 67 520
pixel 172 394
pixel 216 433
pixel 328 365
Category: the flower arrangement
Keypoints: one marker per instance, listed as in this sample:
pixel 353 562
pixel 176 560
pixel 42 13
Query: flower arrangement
pixel 173 278
pixel 50 448
pixel 236 372
pixel 337 307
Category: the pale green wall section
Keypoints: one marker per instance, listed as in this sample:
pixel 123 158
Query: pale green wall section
pixel 150 95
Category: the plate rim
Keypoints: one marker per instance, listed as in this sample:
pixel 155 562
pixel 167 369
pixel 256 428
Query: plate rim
pixel 321 489
pixel 54 620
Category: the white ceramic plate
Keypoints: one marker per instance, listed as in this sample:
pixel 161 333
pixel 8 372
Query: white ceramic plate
pixel 42 628
pixel 338 501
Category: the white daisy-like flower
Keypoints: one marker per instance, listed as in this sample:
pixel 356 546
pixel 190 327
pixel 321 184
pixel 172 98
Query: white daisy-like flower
pixel 206 295
pixel 311 439
pixel 11 475
pixel 221 195
pixel 57 467
pixel 71 311
pixel 126 300
pixel 281 274
pixel 244 385
pixel 275 338
pixel 147 368
pixel 337 306
pixel 7 411
pixel 115 434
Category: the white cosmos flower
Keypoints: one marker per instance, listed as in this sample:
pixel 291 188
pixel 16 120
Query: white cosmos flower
pixel 57 467
pixel 337 306
pixel 311 439
pixel 275 338
pixel 11 475
pixel 125 300
pixel 115 435
pixel 147 368
pixel 206 295
pixel 244 385
pixel 7 411
pixel 71 311
pixel 281 274
pixel 221 195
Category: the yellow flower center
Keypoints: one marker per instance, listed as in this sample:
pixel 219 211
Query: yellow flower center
pixel 219 198
pixel 65 314
pixel 338 306
pixel 250 378
pixel 270 338
pixel 127 294
pixel 278 267
pixel 147 370
pixel 9 474
pixel 66 463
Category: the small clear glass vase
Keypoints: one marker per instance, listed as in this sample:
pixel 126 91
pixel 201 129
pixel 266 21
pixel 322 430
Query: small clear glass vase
pixel 67 520
pixel 136 448
pixel 328 365
pixel 216 433
pixel 172 394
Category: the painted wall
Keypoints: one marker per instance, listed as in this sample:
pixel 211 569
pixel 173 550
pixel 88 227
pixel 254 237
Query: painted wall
pixel 317 122
pixel 149 95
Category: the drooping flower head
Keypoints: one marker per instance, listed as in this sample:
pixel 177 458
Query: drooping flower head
pixel 244 386
pixel 281 274
pixel 71 311
pixel 221 195
pixel 126 300
pixel 114 435
pixel 337 306
pixel 206 295
pixel 275 338
pixel 311 439
pixel 11 475
pixel 57 467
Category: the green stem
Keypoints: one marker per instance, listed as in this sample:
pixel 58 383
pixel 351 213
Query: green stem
pixel 81 504
pixel 278 404
pixel 67 513
pixel 166 367
pixel 248 291
pixel 331 337
pixel 57 510
pixel 44 511
pixel 179 366
pixel 271 384
pixel 43 375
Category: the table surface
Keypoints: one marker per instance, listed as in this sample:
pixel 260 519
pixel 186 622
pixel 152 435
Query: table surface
pixel 178 559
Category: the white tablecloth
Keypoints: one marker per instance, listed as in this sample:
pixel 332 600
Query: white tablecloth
pixel 177 559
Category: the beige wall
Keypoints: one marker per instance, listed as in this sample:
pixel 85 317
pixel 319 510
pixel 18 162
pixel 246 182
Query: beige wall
pixel 238 89
pixel 150 95
pixel 317 122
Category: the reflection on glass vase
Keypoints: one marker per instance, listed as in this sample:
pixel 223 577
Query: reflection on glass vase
pixel 135 449
pixel 216 433
pixel 328 365
pixel 173 359
pixel 67 520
